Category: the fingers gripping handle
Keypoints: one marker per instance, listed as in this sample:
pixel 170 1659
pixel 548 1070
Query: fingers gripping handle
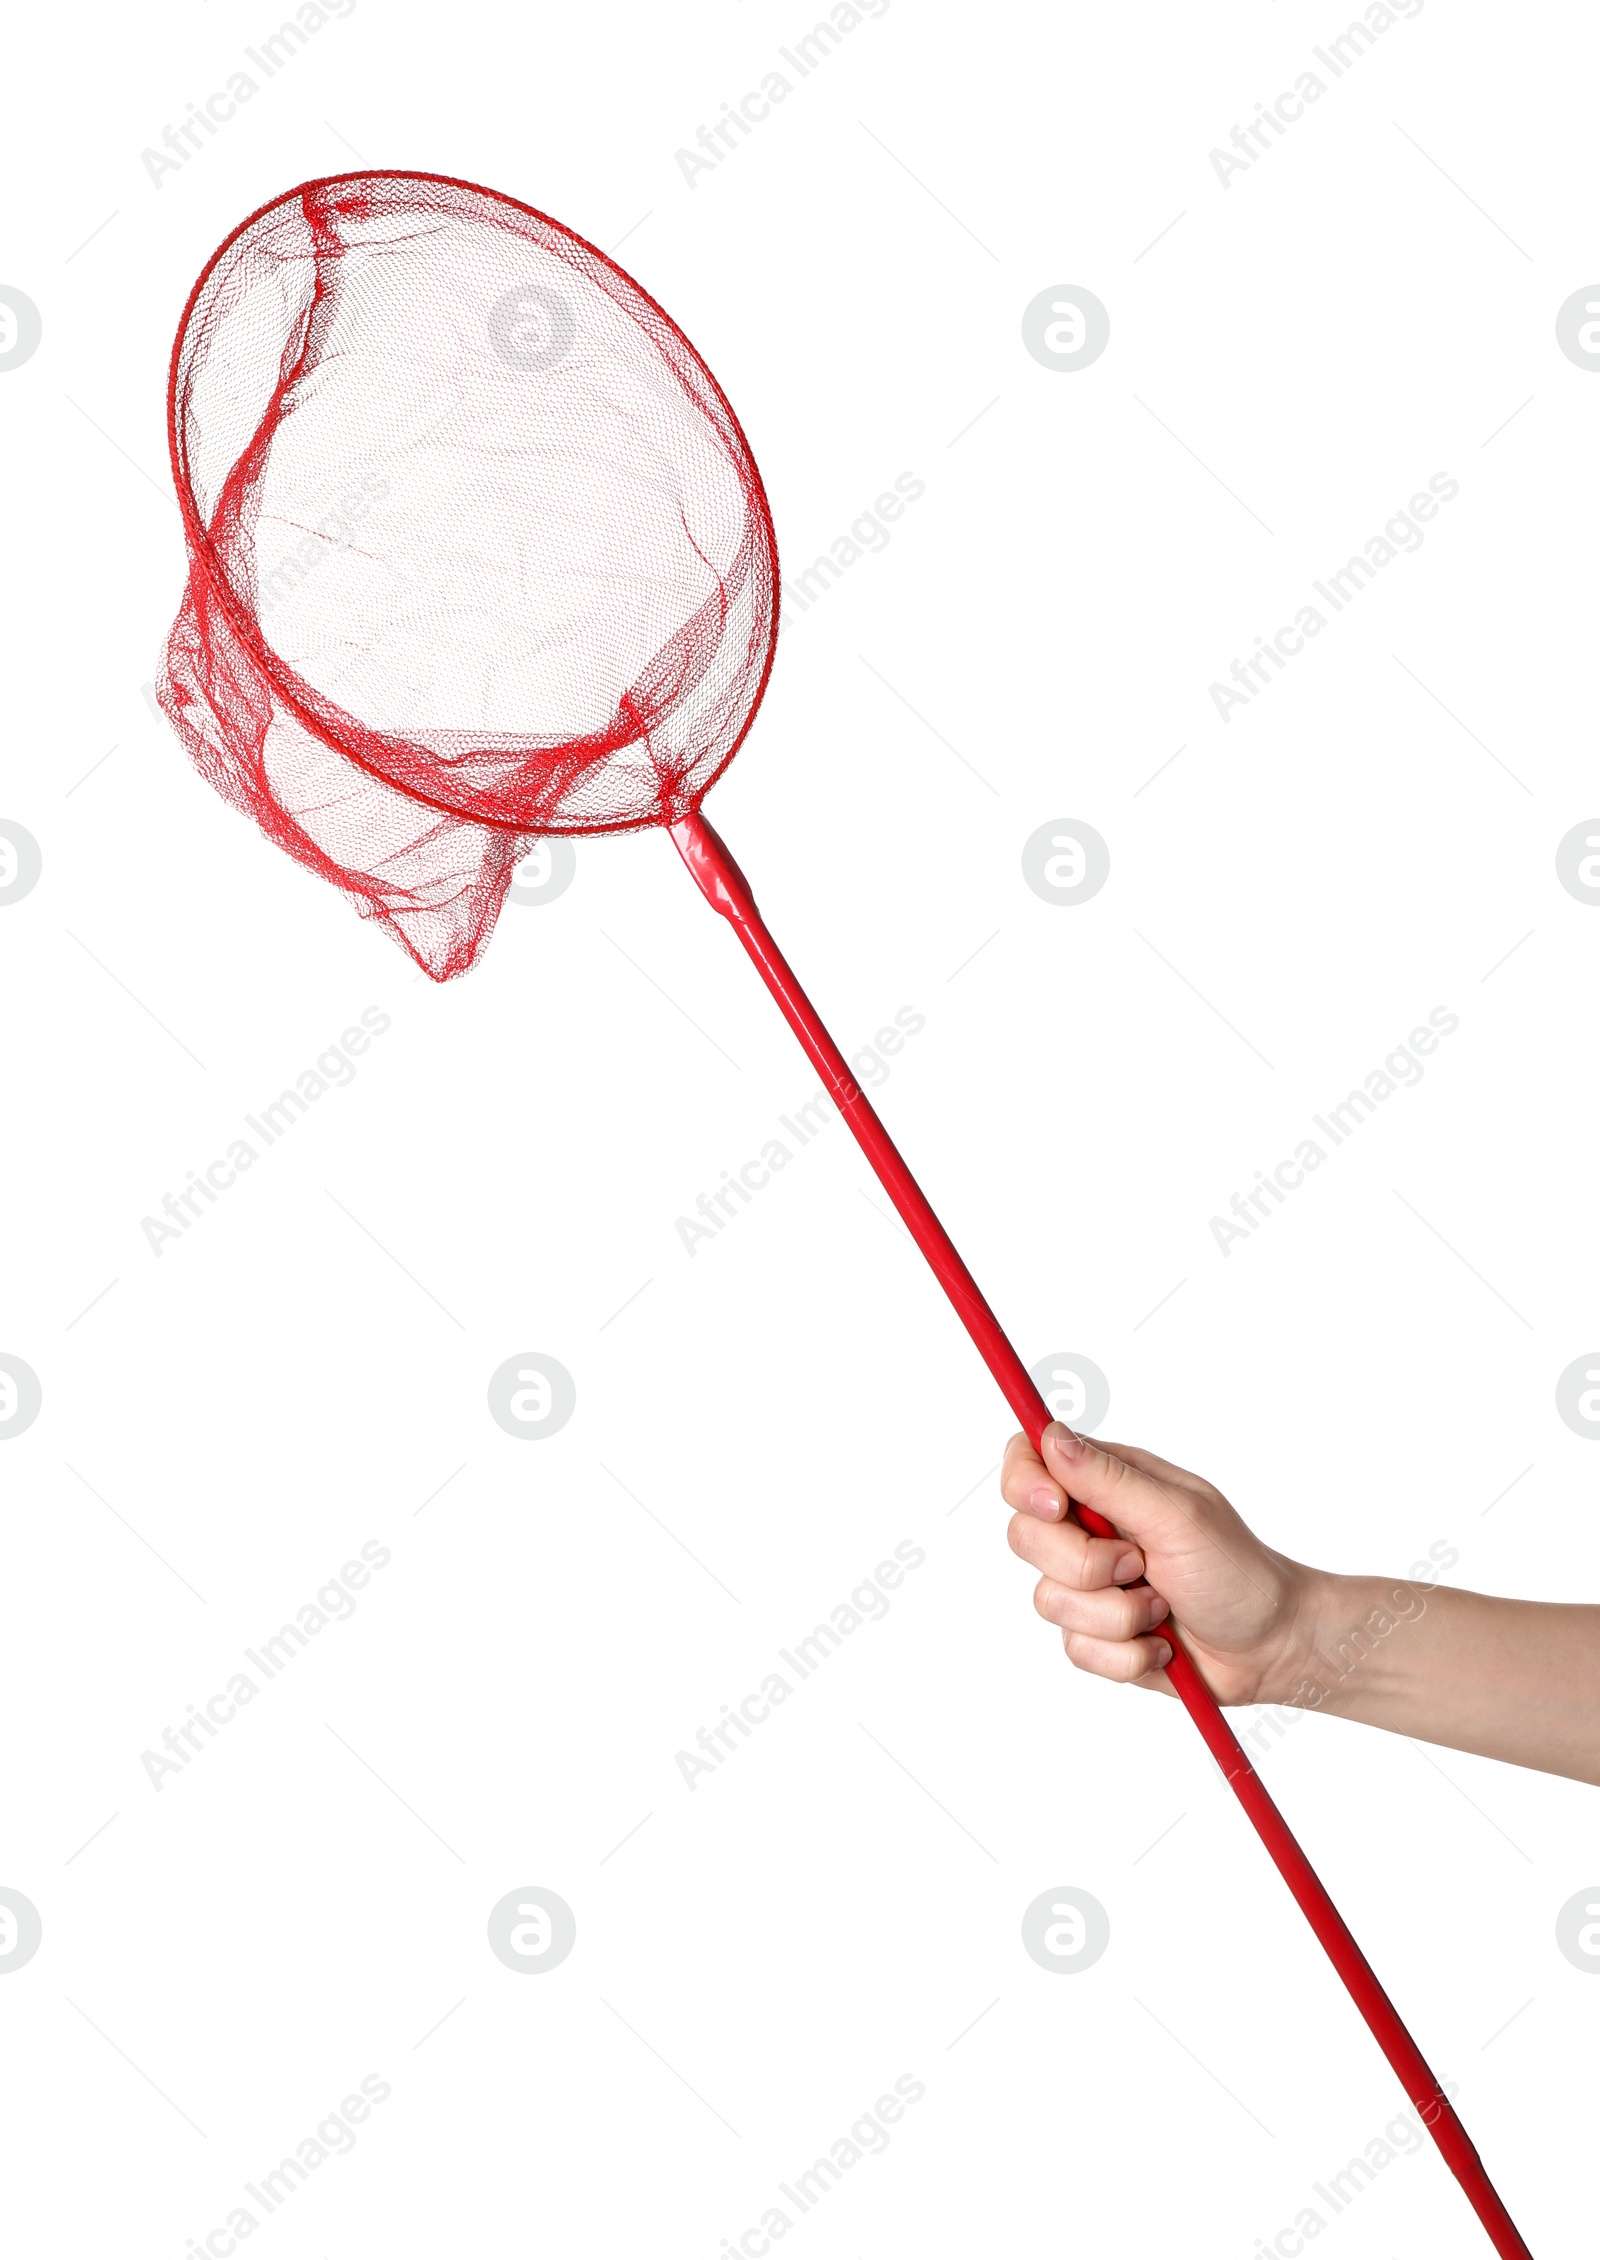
pixel 724 886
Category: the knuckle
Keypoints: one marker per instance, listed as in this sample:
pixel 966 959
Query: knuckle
pixel 1093 1565
pixel 1115 1473
pixel 1014 1464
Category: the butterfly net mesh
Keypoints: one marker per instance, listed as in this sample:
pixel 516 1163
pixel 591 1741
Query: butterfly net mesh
pixel 477 550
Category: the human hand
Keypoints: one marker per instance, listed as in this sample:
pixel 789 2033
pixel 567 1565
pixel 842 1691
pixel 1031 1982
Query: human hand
pixel 1246 1613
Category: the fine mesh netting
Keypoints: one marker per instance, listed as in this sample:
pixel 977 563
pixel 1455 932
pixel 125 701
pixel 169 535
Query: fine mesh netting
pixel 477 549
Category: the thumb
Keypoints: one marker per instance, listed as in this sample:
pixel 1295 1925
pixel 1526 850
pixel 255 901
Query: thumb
pixel 1125 1496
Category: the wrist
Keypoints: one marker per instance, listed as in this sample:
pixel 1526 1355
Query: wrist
pixel 1352 1646
pixel 1290 1663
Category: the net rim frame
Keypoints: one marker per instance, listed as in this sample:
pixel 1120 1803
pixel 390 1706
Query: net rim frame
pixel 202 556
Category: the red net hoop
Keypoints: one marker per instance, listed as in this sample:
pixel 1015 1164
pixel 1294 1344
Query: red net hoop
pixel 477 549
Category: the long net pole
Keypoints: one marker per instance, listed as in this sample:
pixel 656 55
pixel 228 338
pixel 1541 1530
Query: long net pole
pixel 726 889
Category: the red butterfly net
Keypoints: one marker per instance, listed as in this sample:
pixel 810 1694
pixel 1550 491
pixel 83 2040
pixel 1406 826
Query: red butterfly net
pixel 477 552
pixel 477 548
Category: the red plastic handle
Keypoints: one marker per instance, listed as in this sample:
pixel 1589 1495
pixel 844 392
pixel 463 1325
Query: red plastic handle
pixel 726 889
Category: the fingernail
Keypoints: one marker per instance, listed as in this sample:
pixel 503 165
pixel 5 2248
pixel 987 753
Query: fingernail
pixel 1163 1654
pixel 1159 1609
pixel 1129 1567
pixel 1064 1440
pixel 1045 1504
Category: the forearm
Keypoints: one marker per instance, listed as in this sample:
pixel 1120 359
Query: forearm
pixel 1517 1680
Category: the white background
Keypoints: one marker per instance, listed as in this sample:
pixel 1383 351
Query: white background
pixel 1300 351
